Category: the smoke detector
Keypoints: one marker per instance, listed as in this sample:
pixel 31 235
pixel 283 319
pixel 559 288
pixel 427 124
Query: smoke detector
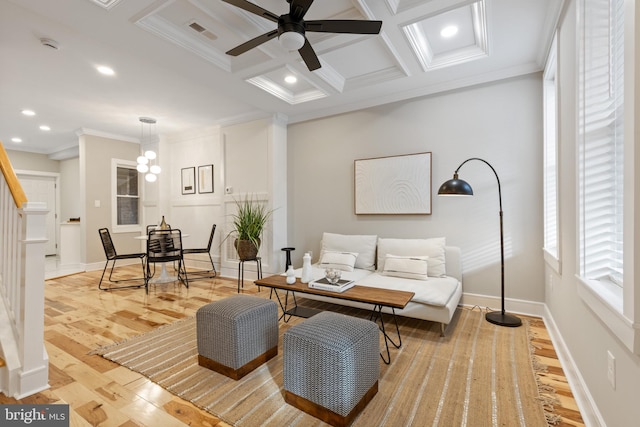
pixel 147 120
pixel 50 43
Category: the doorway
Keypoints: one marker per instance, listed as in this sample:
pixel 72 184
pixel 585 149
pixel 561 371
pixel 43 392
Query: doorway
pixel 42 187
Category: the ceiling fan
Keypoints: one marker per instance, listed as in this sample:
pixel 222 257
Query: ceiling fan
pixel 292 27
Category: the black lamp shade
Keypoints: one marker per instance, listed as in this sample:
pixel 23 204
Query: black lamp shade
pixel 455 186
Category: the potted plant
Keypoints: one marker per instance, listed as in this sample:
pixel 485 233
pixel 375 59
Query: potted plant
pixel 248 223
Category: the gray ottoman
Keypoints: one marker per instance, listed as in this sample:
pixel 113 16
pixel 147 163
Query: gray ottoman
pixel 331 366
pixel 237 334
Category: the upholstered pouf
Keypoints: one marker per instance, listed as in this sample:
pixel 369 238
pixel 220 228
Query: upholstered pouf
pixel 331 366
pixel 237 334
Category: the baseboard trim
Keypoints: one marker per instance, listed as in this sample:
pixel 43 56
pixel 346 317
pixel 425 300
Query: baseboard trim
pixel 516 306
pixel 588 408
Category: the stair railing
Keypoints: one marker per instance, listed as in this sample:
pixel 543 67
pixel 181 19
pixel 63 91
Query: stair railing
pixel 22 266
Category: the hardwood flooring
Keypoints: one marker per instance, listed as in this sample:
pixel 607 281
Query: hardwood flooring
pixel 80 318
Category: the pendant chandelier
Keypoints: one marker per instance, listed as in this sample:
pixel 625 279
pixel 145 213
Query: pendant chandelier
pixel 147 161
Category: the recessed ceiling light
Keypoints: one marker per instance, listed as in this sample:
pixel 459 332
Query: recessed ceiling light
pixel 28 112
pixel 449 31
pixel 45 127
pixel 16 140
pixel 107 71
pixel 291 79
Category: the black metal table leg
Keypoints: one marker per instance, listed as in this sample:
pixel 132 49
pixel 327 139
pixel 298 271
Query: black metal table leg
pixel 377 313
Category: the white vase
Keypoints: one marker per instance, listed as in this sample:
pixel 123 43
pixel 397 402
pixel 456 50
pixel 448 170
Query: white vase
pixel 291 276
pixel 306 268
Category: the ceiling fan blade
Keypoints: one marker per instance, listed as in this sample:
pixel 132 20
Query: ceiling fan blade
pixel 253 8
pixel 352 26
pixel 298 8
pixel 252 43
pixel 309 56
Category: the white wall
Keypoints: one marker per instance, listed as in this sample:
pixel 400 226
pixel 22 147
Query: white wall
pixel 96 178
pixel 255 167
pixel 194 213
pixel 587 336
pixel 32 161
pixel 499 122
pixel 70 206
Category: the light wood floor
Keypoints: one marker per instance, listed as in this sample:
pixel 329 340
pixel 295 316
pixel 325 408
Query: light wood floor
pixel 79 318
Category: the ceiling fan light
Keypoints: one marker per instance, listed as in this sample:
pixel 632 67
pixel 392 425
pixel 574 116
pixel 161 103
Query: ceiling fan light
pixel 291 40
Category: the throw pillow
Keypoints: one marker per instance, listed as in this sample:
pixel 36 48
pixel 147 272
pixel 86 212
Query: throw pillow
pixel 344 261
pixel 415 267
pixel 363 245
pixel 432 248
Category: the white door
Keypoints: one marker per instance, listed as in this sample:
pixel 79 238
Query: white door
pixel 43 189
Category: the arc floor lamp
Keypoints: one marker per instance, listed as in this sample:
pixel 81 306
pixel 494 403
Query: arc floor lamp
pixel 459 187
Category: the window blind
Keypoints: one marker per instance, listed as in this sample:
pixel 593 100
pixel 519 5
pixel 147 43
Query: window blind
pixel 601 139
pixel 550 172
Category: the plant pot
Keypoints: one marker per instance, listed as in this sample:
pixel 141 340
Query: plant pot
pixel 246 249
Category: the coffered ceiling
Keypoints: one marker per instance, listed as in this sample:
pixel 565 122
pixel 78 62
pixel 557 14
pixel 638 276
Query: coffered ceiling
pixel 170 63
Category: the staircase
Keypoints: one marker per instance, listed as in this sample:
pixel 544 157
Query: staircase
pixel 24 363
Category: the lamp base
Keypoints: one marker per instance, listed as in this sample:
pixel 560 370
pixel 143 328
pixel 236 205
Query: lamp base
pixel 503 319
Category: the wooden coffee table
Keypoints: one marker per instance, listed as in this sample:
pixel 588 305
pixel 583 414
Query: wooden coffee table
pixel 377 297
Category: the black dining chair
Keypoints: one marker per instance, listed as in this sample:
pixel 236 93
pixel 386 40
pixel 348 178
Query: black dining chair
pixel 155 227
pixel 204 274
pixel 164 246
pixel 113 256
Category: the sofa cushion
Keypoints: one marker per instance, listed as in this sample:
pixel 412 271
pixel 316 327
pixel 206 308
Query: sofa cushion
pixel 344 261
pixel 432 248
pixel 363 245
pixel 411 267
pixel 436 291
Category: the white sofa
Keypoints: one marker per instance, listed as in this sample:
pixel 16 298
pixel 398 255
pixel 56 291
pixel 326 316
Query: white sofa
pixel 437 293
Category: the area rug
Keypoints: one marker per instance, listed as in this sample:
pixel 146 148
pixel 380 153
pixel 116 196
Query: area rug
pixel 478 375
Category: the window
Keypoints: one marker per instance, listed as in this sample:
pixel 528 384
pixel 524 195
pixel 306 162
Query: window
pixel 601 72
pixel 126 190
pixel 602 206
pixel 550 172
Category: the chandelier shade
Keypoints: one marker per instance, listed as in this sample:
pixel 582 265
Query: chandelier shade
pixel 146 161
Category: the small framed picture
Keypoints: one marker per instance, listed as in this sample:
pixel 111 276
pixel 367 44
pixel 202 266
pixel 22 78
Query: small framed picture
pixel 205 179
pixel 189 180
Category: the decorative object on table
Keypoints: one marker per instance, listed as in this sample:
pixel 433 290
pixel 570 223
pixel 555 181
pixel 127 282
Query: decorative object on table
pixel 306 268
pixel 333 285
pixel 393 185
pixel 291 276
pixel 188 180
pixel 332 275
pixel 292 27
pixel 248 224
pixel 163 225
pixel 205 179
pixel 112 255
pixel 459 187
pixel 147 163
